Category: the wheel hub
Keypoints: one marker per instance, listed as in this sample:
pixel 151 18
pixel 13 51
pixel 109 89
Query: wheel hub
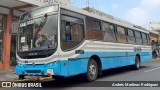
pixel 138 64
pixel 92 70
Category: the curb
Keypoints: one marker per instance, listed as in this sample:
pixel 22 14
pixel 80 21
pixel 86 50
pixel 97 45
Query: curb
pixel 36 79
pixel 155 59
pixel 41 78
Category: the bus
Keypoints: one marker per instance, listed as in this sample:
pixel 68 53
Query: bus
pixel 62 41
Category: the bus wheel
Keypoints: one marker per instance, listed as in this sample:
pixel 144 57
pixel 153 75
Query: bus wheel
pixel 92 71
pixel 21 77
pixel 136 66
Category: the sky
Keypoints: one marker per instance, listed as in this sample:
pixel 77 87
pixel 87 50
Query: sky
pixel 139 12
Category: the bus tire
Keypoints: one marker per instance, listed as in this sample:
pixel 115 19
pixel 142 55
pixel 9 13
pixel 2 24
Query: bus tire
pixel 136 66
pixel 92 70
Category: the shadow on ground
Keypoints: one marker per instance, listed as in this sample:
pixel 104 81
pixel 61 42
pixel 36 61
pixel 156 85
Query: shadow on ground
pixel 118 71
pixel 79 81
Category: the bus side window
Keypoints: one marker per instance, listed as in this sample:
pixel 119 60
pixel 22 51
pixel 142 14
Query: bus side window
pixel 72 32
pixel 130 36
pixel 93 27
pixel 138 37
pixel 121 34
pixel 144 38
pixel 109 32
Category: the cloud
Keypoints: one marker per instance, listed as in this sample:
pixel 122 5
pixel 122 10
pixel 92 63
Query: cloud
pixel 150 4
pixel 137 16
pixel 144 13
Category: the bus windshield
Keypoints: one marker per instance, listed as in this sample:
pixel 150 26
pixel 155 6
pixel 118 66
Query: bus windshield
pixel 38 33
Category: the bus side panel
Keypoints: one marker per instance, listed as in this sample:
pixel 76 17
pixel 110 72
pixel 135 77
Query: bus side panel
pixel 121 58
pixel 64 68
pixel 74 67
pixel 108 60
pixel 108 63
pixel 125 61
pixel 131 58
pixel 146 56
pixel 79 65
pixel 84 65
pixel 116 59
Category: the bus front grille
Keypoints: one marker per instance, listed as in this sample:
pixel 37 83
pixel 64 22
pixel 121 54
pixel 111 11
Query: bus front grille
pixel 33 71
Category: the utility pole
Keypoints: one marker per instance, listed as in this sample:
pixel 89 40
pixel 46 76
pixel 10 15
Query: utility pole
pixel 88 3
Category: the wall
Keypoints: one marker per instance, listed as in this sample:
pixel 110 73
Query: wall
pixel 4 10
pixel 155 38
pixel 46 2
pixel 5 62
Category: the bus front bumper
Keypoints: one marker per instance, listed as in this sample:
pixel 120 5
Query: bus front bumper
pixel 38 70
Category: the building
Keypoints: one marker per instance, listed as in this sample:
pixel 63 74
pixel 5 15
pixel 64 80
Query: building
pixel 10 11
pixel 154 39
pixel 154 28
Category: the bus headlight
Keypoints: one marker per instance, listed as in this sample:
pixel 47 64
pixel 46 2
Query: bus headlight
pixel 20 65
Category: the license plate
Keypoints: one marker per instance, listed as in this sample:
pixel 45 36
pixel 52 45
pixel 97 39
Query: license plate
pixel 50 71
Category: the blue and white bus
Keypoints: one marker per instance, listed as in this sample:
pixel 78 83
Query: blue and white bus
pixel 62 41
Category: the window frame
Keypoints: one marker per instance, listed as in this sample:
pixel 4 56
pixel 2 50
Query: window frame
pixel 100 27
pixel 138 37
pixel 120 27
pixel 61 33
pixel 144 38
pixel 125 33
pixel 139 34
pixel 104 22
pixel 109 25
pixel 130 30
pixel 99 23
pixel 75 14
pixel 132 36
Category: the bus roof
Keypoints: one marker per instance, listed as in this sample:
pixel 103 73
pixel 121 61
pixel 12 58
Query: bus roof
pixel 101 16
pixel 105 17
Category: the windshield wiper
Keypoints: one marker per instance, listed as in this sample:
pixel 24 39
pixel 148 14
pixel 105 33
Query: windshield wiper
pixel 42 23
